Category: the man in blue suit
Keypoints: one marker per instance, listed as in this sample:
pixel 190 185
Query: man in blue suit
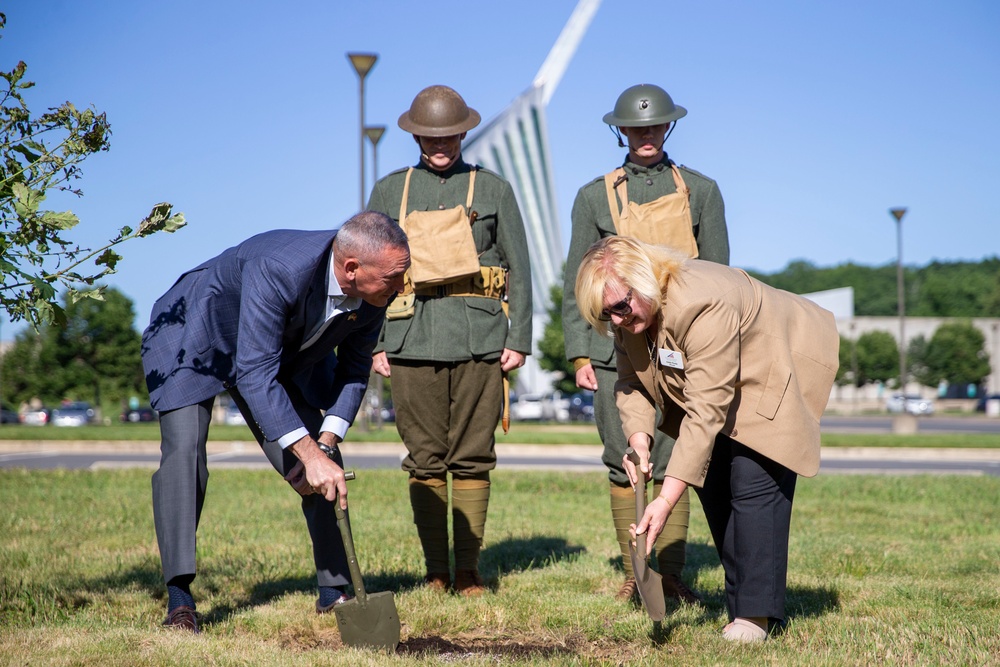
pixel 285 322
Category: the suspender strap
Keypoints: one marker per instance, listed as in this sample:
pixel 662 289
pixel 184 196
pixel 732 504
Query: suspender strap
pixel 616 180
pixel 406 194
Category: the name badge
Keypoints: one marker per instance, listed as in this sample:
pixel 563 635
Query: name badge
pixel 671 359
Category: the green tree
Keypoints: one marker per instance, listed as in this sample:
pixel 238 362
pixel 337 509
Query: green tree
pixel 552 346
pixel 956 354
pixel 846 373
pixel 916 362
pixel 94 357
pixel 38 155
pixel 878 357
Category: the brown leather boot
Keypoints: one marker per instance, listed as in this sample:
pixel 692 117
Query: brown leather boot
pixel 439 582
pixel 674 588
pixel 469 583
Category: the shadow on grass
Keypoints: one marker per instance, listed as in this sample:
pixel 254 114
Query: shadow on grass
pixel 518 555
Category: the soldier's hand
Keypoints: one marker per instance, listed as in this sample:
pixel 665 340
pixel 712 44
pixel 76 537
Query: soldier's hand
pixel 586 378
pixel 511 359
pixel 380 364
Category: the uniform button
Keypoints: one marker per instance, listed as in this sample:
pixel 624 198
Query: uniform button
pixel 659 167
pixel 440 207
pixel 635 171
pixel 443 181
pixel 649 181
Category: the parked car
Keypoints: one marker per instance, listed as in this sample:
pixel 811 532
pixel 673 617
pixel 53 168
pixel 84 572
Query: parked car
pixel 36 416
pixel 141 414
pixel 73 414
pixel 581 407
pixel 528 407
pixel 8 416
pixel 981 403
pixel 910 403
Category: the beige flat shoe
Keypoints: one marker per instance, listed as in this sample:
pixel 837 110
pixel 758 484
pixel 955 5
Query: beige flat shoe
pixel 742 630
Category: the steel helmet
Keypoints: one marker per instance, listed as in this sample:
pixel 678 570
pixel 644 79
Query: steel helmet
pixel 644 105
pixel 438 111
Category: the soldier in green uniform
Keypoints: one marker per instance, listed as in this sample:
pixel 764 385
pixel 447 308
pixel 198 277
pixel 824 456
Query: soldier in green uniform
pixel 462 323
pixel 651 198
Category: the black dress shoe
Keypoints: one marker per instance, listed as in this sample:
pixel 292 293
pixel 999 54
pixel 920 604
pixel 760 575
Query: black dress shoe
pixel 183 618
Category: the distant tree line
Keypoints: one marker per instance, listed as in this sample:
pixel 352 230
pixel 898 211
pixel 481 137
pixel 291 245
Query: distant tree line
pixel 940 289
pixel 94 357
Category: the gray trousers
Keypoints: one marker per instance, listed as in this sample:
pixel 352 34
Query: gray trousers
pixel 180 483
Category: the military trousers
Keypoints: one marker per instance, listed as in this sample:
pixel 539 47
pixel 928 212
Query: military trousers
pixel 446 414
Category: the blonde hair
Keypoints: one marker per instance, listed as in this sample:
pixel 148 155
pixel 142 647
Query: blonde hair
pixel 625 263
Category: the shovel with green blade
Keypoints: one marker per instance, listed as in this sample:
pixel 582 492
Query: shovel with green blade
pixel 368 620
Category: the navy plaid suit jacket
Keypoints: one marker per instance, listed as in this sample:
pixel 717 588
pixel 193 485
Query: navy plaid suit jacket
pixel 239 319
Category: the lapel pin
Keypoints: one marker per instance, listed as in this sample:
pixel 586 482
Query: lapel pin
pixel 352 317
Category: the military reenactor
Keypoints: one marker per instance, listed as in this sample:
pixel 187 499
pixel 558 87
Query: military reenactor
pixel 651 198
pixel 462 322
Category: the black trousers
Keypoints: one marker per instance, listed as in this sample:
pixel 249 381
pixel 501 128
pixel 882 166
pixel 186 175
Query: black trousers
pixel 180 483
pixel 747 499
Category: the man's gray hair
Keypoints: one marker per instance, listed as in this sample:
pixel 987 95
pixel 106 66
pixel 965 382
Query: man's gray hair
pixel 367 235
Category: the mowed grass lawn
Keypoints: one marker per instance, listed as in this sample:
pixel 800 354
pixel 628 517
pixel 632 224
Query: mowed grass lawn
pixel 898 570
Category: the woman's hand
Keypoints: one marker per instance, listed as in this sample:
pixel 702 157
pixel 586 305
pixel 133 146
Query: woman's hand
pixel 652 523
pixel 640 442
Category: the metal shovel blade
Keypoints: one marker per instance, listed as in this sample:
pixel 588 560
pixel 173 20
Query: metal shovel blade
pixel 372 623
pixel 647 581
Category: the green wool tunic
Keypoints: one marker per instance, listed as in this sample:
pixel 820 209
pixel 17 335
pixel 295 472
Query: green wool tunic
pixel 449 329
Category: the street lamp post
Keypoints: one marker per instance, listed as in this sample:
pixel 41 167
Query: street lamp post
pixel 362 63
pixel 374 134
pixel 898 214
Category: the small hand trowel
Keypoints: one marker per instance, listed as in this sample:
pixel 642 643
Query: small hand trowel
pixel 647 581
pixel 367 620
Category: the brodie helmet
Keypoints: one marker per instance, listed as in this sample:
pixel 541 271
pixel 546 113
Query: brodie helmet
pixel 438 111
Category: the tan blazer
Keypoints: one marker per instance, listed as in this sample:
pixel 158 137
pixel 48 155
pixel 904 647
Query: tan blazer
pixel 758 366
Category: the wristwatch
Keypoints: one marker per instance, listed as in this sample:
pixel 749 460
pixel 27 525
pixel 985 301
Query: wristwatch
pixel 329 450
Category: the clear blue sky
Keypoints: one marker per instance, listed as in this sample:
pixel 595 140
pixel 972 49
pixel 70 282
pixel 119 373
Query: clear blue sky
pixel 814 118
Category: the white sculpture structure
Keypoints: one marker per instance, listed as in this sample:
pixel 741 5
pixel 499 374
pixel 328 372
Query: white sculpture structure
pixel 515 144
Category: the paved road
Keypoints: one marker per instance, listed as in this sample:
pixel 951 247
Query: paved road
pixel 510 457
pixel 935 424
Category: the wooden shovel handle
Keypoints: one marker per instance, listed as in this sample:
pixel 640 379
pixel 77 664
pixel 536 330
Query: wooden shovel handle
pixel 640 501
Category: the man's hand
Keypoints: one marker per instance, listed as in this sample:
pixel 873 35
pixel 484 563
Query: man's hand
pixel 322 475
pixel 297 478
pixel 510 359
pixel 380 364
pixel 586 378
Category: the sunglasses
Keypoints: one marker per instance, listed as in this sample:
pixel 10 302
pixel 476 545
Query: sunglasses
pixel 622 309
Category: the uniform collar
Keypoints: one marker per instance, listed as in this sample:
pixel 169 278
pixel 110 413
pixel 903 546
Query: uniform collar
pixel 634 169
pixel 460 167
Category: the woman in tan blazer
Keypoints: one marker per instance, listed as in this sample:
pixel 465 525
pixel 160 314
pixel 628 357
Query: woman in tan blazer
pixel 741 373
